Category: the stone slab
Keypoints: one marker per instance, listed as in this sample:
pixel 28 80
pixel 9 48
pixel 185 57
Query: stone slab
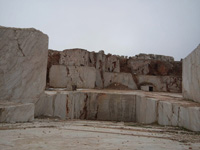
pixel 146 110
pixel 51 104
pixel 11 112
pixel 65 77
pixel 23 63
pixel 191 76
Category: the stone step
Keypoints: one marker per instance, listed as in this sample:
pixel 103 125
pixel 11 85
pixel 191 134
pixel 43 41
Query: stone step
pixel 11 112
pixel 115 105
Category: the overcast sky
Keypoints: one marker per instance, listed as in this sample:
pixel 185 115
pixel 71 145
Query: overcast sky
pixel 122 27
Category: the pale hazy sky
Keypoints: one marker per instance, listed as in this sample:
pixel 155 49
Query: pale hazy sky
pixel 123 27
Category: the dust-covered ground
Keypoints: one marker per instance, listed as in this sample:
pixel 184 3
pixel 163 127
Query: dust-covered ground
pixel 55 134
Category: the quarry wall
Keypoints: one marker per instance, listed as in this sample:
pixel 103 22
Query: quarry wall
pixel 191 76
pixel 97 70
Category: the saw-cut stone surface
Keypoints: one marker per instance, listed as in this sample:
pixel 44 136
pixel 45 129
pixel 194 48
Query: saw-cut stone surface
pixel 11 112
pixel 65 77
pixel 51 104
pixel 146 109
pixel 189 118
pixel 23 63
pixel 191 76
pixel 122 78
pixel 168 109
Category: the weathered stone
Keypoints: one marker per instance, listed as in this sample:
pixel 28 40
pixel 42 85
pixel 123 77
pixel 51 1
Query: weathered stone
pixel 191 76
pixel 161 83
pixel 100 61
pixel 112 64
pixel 11 112
pixel 51 104
pixel 146 109
pixel 122 78
pixel 74 57
pixel 23 63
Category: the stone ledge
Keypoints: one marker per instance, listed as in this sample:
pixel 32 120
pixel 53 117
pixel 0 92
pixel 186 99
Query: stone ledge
pixel 11 112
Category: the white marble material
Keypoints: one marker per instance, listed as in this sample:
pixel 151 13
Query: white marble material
pixel 23 63
pixel 168 113
pixel 51 104
pixel 64 77
pixel 191 76
pixel 161 83
pixel 122 78
pixel 11 112
pixel 189 118
pixel 146 110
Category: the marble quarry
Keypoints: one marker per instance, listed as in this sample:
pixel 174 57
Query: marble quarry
pixel 162 72
pixel 78 84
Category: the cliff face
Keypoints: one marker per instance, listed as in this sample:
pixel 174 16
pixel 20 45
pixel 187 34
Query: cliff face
pixel 158 67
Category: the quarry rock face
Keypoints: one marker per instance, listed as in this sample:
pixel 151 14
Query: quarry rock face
pixel 65 77
pixel 161 83
pixel 191 76
pixel 162 72
pixel 122 78
pixel 23 62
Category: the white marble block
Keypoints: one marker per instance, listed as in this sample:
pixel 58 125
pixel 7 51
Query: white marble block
pixel 11 112
pixel 146 110
pixel 191 76
pixel 189 118
pixel 23 64
pixel 168 113
pixel 52 104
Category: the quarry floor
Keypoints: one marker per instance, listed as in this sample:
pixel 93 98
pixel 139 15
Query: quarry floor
pixel 55 134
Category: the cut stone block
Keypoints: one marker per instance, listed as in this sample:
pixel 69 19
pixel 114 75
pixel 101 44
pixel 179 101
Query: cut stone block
pixel 115 107
pixel 65 77
pixel 83 77
pixel 58 76
pixel 97 106
pixel 23 64
pixel 189 118
pixel 191 76
pixel 51 104
pixel 168 113
pixel 11 112
pixel 122 78
pixel 146 110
